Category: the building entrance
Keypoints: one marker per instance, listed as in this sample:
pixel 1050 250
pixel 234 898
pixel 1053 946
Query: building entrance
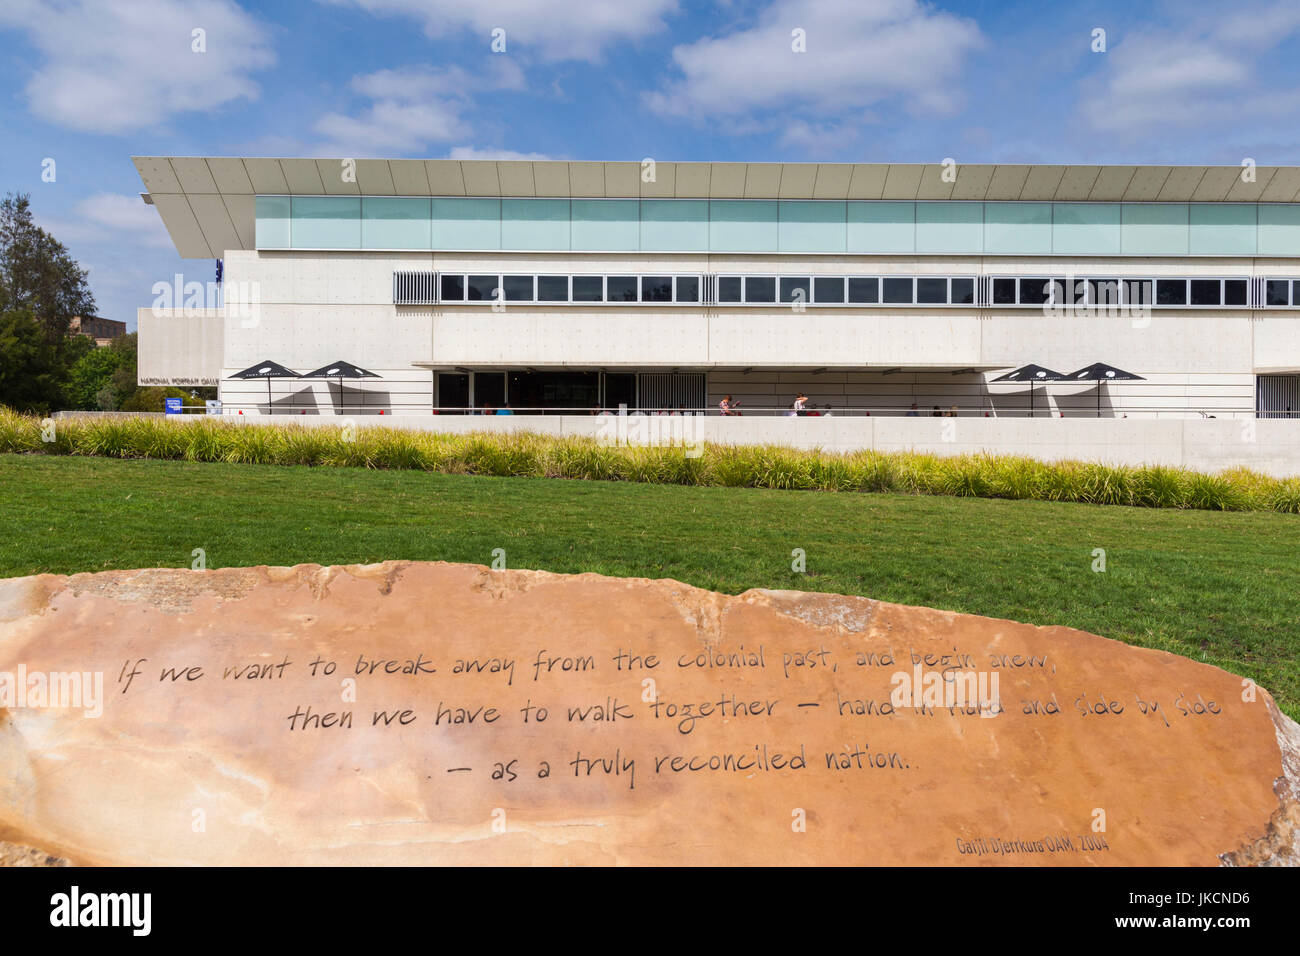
pixel 555 393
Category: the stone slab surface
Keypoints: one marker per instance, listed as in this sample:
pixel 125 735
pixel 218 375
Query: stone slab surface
pixel 410 713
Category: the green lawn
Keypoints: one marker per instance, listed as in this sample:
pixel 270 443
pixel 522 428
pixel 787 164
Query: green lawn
pixel 1218 587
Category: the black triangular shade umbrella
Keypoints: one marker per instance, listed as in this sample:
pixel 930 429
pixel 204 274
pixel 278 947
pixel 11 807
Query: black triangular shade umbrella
pixel 1031 374
pixel 267 370
pixel 341 370
pixel 1101 372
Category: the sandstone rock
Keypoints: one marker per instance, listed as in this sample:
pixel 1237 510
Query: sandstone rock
pixel 392 714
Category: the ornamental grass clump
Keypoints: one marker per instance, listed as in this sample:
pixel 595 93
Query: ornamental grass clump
pixel 533 455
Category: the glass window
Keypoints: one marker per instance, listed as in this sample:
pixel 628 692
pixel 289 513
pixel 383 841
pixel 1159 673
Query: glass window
pixel 688 288
pixel 325 222
pixel 1171 292
pixel 1138 292
pixel 1205 292
pixel 656 288
pixel 1103 291
pixel 760 288
pixel 451 288
pixel 1071 290
pixel 552 288
pixel 1277 290
pixel 963 291
pixel 391 222
pixel 1004 291
pixel 931 291
pixel 1234 291
pixel 1295 291
pixel 1035 291
pixel 897 291
pixel 1059 289
pixel 620 288
pixel 588 288
pixel 796 290
pixel 272 217
pixel 483 288
pixel 828 289
pixel 728 288
pixel 519 288
pixel 864 290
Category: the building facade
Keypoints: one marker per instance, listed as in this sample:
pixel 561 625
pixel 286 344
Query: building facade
pixel 102 331
pixel 881 289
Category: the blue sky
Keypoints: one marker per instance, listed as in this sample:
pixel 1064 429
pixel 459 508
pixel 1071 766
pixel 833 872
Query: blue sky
pixel 89 84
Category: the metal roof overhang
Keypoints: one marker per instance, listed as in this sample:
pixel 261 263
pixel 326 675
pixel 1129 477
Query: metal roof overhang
pixel 207 202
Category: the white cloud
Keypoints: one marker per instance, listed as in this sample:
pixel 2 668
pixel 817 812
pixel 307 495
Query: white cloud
pixel 391 126
pixel 127 217
pixel 1204 73
pixel 110 218
pixel 410 108
pixel 857 55
pixel 552 29
pixel 475 152
pixel 121 67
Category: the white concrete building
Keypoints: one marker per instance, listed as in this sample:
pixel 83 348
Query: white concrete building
pixel 870 288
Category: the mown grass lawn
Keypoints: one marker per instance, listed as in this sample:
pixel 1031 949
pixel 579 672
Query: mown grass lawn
pixel 1218 587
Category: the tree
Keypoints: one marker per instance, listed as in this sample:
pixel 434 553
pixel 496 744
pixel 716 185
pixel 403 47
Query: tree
pixel 153 399
pixel 37 274
pixel 90 380
pixel 125 379
pixel 31 370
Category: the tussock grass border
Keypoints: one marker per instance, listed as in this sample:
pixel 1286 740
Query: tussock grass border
pixel 531 455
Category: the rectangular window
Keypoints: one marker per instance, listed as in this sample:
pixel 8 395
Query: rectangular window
pixel 828 289
pixel 552 288
pixel 588 288
pixel 1071 290
pixel 760 288
pixel 451 288
pixel 931 291
pixel 1171 292
pixel 864 290
pixel 897 291
pixel 656 288
pixel 1138 292
pixel 688 288
pixel 519 288
pixel 1036 291
pixel 796 289
pixel 483 288
pixel 620 288
pixel 1205 292
pixel 1103 291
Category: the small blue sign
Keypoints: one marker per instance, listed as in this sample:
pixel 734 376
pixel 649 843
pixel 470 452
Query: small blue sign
pixel 173 406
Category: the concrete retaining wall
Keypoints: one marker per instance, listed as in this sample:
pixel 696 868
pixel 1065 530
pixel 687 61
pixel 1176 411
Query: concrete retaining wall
pixel 1270 446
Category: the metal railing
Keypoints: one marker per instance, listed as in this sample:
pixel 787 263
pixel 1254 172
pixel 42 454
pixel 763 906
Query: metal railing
pixel 1083 410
